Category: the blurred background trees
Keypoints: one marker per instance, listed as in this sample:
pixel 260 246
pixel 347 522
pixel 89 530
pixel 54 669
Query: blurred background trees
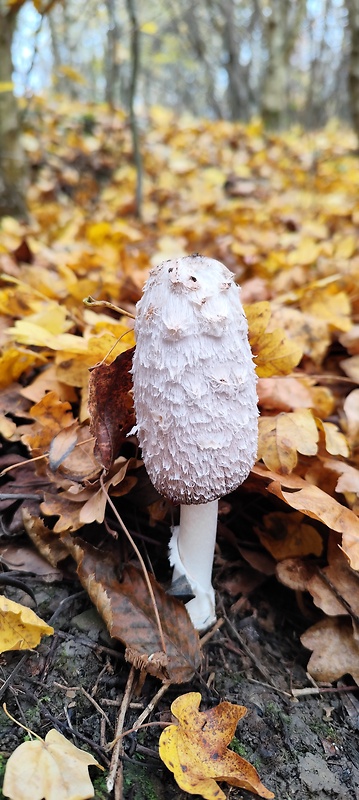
pixel 288 61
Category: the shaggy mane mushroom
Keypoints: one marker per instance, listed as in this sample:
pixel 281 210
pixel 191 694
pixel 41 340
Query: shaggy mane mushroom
pixel 196 406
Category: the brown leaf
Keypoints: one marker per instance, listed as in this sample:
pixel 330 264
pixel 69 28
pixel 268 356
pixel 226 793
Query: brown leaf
pixel 126 606
pixel 335 649
pixel 111 406
pixel 316 503
pixel 46 542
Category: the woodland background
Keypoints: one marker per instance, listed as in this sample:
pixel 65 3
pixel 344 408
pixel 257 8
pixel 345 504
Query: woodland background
pixel 131 133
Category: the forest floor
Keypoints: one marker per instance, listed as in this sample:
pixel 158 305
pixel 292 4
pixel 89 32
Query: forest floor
pixel 303 747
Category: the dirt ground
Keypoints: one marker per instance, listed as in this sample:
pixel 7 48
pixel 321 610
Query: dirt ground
pixel 303 747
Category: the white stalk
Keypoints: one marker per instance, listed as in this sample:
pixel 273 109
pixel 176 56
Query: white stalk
pixel 191 554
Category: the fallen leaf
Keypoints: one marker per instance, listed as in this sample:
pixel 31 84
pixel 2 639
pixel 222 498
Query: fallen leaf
pixel 196 751
pixel 52 769
pixel 282 437
pixel 111 406
pixel 274 353
pixel 20 628
pixel 335 649
pixel 315 503
pixel 125 604
pixel 288 534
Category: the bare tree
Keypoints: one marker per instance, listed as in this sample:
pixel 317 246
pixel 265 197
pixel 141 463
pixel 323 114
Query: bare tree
pixel 353 75
pixel 135 66
pixel 111 61
pixel 281 32
pixel 12 157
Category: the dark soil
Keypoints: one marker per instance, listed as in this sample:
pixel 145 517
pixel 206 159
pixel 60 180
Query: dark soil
pixel 302 748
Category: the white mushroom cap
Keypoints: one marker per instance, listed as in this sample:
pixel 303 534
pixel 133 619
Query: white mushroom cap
pixel 194 381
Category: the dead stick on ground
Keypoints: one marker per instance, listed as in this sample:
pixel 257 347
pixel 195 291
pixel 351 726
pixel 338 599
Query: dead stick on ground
pixel 115 775
pixel 145 713
pixel 249 653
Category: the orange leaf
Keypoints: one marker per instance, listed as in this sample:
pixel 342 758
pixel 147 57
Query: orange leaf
pixel 196 749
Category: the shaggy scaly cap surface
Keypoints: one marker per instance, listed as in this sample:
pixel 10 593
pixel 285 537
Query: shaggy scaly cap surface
pixel 194 381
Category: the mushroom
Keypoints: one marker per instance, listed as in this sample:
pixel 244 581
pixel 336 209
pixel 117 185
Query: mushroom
pixel 196 406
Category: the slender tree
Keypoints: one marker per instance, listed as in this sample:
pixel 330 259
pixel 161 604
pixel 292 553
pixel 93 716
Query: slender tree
pixel 12 157
pixel 353 75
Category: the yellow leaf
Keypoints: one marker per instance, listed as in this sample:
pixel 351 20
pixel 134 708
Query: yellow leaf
pixel 196 750
pixel 288 535
pixel 20 627
pixel 6 86
pixel 274 352
pixel 26 332
pixel 14 362
pixel 53 769
pixel 71 73
pixel 149 27
pixel 283 436
pixel 331 305
pixel 335 441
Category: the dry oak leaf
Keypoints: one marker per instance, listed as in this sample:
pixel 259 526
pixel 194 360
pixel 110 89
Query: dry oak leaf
pixel 50 769
pixel 281 438
pixel 51 416
pixel 274 352
pixel 335 649
pixel 20 627
pixel 196 751
pixel 315 503
pixel 287 535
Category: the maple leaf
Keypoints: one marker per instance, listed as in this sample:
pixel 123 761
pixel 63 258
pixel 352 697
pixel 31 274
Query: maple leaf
pixel 196 751
pixel 21 628
pixel 49 769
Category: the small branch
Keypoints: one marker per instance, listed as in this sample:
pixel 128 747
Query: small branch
pixel 90 302
pixel 115 775
pixel 143 565
pixel 310 690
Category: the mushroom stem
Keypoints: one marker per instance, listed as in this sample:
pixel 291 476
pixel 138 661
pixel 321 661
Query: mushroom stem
pixel 191 554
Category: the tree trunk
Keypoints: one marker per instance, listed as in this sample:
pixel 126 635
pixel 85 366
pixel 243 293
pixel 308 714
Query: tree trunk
pixel 13 166
pixel 238 90
pixel 281 34
pixel 111 61
pixel 353 75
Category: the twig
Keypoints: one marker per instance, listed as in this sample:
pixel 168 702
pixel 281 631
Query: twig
pixel 152 704
pixel 84 692
pixel 309 690
pixel 270 686
pixel 16 669
pixel 90 302
pixel 249 653
pixel 115 775
pixel 143 565
pixel 207 636
pixel 63 603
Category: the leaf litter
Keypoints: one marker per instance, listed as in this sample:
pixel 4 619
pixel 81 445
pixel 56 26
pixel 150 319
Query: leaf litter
pixel 302 332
